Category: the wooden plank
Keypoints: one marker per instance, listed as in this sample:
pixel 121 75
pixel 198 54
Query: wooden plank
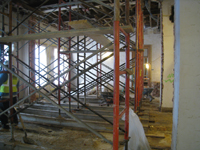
pixel 161 147
pixel 65 33
pixel 84 24
pixel 161 135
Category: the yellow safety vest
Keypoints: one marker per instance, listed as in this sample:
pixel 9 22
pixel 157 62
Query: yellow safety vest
pixel 5 86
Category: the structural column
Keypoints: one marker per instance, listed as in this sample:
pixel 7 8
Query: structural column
pixel 167 56
pixel 185 133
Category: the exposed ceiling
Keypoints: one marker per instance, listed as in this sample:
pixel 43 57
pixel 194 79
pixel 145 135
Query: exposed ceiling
pixel 98 12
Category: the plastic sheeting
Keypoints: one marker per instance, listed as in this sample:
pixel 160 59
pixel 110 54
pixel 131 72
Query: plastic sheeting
pixel 138 140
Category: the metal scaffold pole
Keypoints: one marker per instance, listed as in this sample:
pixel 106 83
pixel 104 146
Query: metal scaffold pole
pixel 10 54
pixel 69 76
pixel 139 55
pixel 127 93
pixel 39 54
pixel 2 34
pixel 31 57
pixel 84 56
pixel 97 70
pixel 78 82
pixel 17 47
pixel 84 68
pixel 10 77
pixel 100 69
pixel 117 73
pixel 59 23
pixel 116 76
pixel 59 106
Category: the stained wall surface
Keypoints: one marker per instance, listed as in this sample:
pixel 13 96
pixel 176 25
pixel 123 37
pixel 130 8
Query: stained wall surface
pixel 168 50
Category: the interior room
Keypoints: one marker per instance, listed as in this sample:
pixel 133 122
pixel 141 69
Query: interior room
pixel 99 74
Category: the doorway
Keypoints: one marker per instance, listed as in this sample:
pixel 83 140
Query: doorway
pixel 147 65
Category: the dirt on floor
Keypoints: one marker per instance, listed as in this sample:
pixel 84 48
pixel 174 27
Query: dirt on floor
pixel 52 138
pixel 160 124
pixel 63 138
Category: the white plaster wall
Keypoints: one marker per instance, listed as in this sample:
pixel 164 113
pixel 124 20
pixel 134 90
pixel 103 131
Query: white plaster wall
pixel 154 39
pixel 168 49
pixel 186 115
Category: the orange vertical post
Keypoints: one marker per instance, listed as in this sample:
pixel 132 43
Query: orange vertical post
pixel 116 76
pixel 139 55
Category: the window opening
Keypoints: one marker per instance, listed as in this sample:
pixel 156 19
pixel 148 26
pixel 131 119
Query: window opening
pixel 40 64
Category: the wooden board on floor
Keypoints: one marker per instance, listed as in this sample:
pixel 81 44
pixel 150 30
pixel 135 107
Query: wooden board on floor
pixel 161 135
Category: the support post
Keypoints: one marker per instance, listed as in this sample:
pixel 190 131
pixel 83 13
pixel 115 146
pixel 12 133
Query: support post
pixel 97 70
pixel 116 76
pixel 2 45
pixel 78 70
pixel 31 60
pixel 69 77
pixel 10 74
pixel 39 56
pixel 126 137
pixel 139 55
pixel 100 69
pixel 59 23
pixel 141 46
pixel 17 47
pixel 84 69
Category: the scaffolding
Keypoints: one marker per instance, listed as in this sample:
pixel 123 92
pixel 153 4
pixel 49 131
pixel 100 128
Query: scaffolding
pixel 57 79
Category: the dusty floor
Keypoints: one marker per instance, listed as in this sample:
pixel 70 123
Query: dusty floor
pixel 65 139
pixel 59 139
pixel 161 125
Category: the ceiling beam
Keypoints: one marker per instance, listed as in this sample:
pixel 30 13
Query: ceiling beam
pixel 67 4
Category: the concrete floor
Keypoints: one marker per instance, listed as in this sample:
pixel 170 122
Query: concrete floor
pixel 59 138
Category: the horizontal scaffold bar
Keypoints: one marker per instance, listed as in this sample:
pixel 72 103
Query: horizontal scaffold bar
pixel 92 51
pixel 65 33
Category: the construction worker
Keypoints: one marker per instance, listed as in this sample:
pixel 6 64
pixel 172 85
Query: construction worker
pixel 147 92
pixel 4 95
